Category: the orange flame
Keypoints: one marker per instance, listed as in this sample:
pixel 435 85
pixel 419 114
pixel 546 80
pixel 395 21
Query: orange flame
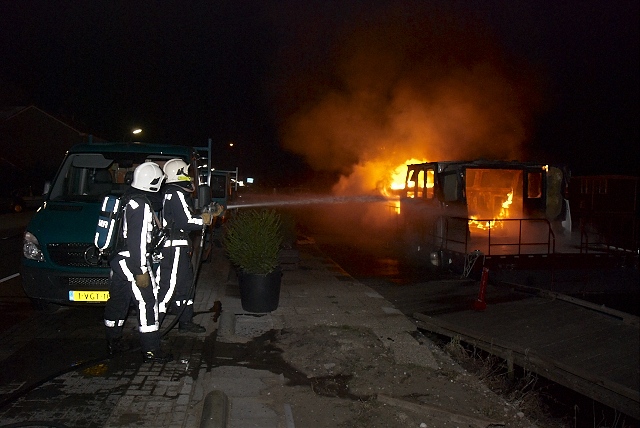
pixel 494 223
pixel 396 178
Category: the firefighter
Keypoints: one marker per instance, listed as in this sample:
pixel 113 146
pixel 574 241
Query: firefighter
pixel 176 274
pixel 131 267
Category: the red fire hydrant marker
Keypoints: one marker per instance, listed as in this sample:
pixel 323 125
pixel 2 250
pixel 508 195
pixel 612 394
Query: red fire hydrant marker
pixel 480 304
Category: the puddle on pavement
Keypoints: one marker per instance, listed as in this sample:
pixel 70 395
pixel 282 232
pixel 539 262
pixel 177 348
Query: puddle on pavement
pixel 261 353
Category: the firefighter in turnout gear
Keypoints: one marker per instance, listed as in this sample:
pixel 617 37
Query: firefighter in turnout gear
pixel 131 267
pixel 176 274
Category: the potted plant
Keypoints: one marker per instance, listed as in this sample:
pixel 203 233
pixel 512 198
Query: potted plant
pixel 252 241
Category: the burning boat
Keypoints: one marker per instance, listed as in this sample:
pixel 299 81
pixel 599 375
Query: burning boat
pixel 507 216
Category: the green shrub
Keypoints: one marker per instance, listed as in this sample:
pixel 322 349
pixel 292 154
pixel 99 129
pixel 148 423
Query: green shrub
pixel 252 241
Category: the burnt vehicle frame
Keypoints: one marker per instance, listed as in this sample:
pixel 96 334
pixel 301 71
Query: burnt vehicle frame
pixel 503 215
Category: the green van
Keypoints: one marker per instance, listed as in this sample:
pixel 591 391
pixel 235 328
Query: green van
pixel 60 263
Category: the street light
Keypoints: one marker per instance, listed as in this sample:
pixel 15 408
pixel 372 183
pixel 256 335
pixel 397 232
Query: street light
pixel 134 131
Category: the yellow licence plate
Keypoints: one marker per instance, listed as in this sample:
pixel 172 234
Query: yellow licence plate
pixel 88 296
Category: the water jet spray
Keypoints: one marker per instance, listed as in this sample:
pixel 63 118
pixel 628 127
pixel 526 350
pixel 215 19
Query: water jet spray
pixel 311 201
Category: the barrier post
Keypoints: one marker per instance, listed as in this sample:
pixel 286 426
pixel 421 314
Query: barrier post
pixel 480 304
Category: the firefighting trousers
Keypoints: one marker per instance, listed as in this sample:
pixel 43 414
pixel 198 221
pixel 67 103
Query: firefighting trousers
pixel 176 283
pixel 122 292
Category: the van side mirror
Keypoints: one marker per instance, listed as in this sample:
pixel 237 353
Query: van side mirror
pixel 47 187
pixel 204 196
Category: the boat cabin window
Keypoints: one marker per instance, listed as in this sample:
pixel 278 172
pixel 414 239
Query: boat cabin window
pixel 420 184
pixel 450 187
pixel 534 188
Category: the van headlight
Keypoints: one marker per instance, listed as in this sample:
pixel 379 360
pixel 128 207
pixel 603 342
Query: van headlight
pixel 31 248
pixel 434 258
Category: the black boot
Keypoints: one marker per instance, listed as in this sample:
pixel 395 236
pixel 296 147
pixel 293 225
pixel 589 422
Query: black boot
pixel 157 356
pixel 116 346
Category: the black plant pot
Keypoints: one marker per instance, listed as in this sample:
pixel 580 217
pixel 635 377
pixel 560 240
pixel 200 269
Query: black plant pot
pixel 260 293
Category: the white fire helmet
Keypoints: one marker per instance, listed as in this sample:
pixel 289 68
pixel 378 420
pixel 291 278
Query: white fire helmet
pixel 148 177
pixel 177 171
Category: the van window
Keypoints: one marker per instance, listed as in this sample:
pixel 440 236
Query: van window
pixel 89 177
pixel 83 177
pixel 218 186
pixel 429 185
pixel 410 186
pixel 419 188
pixel 534 187
pixel 450 187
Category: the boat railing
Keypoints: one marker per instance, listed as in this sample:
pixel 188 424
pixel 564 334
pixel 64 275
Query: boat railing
pixel 514 236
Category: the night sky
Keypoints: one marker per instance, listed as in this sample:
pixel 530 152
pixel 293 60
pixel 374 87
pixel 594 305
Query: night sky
pixel 309 89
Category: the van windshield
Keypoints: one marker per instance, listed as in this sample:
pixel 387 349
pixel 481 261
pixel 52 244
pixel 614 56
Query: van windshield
pixel 89 177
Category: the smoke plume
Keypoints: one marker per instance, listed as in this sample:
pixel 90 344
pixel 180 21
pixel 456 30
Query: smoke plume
pixel 395 84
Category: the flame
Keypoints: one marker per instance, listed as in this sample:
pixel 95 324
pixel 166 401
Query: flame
pixel 400 172
pixel 378 175
pixel 495 223
pixel 394 181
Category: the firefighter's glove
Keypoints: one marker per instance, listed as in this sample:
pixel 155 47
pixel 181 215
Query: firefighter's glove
pixel 216 209
pixel 207 218
pixel 143 280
